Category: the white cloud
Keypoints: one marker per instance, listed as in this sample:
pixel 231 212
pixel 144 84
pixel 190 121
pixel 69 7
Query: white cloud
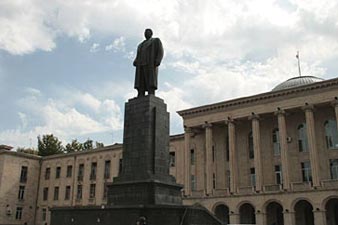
pixel 117 45
pixel 63 117
pixel 94 48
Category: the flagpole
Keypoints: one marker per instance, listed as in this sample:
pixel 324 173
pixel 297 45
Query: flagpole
pixel 299 71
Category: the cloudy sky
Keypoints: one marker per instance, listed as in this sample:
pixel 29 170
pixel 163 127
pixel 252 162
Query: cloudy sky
pixel 66 65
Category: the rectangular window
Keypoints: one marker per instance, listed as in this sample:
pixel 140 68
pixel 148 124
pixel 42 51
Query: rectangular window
pixel 18 214
pixel 47 173
pixel 21 192
pixel 192 157
pixel 79 192
pixel 105 191
pixel 252 177
pixel 92 190
pixel 69 170
pixel 275 141
pixel 56 193
pixel 67 193
pixel 58 172
pixel 306 171
pixel 45 193
pixel 193 182
pixel 93 171
pixel 120 165
pixel 213 153
pixel 80 172
pixel 278 174
pixel 107 169
pixel 23 176
pixel 44 214
pixel 172 159
pixel 334 169
pixel 214 181
pixel 251 146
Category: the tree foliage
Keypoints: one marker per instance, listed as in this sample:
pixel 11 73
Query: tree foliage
pixel 88 145
pixel 49 145
pixel 74 146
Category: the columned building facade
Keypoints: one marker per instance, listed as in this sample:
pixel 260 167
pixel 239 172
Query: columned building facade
pixel 266 159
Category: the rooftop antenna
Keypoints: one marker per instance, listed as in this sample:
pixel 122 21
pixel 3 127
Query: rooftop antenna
pixel 299 71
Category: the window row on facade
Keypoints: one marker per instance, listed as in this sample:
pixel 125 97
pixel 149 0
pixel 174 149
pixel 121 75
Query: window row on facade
pixel 81 170
pixel 67 193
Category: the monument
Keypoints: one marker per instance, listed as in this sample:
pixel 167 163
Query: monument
pixel 144 192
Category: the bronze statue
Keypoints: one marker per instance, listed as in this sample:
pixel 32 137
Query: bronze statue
pixel 148 58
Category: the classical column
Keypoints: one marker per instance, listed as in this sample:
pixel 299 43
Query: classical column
pixel 257 151
pixel 312 144
pixel 284 148
pixel 335 105
pixel 187 173
pixel 232 155
pixel 208 157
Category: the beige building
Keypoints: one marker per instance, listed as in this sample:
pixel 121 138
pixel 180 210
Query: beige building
pixel 265 159
pixel 19 180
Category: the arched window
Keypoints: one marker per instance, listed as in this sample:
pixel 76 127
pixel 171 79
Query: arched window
pixel 331 134
pixel 275 141
pixel 250 145
pixel 302 138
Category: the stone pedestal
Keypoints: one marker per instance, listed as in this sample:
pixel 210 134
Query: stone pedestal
pixel 145 178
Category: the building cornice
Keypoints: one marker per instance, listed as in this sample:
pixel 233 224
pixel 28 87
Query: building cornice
pixel 113 147
pixel 220 106
pixel 20 154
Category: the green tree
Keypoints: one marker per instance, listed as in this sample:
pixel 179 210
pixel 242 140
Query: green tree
pixel 74 146
pixel 27 150
pixel 88 145
pixel 99 144
pixel 49 145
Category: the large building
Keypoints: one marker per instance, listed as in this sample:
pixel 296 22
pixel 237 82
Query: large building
pixel 266 159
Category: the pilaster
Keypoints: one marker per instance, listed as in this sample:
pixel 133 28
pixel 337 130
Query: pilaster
pixel 319 217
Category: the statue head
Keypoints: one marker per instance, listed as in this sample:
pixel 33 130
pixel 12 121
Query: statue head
pixel 148 33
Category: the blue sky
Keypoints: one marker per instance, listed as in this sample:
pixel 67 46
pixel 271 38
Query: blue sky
pixel 66 66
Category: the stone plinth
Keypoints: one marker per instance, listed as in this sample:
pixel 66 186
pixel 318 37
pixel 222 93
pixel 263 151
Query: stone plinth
pixel 145 178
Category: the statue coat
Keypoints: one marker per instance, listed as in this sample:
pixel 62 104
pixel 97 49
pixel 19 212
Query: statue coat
pixel 148 58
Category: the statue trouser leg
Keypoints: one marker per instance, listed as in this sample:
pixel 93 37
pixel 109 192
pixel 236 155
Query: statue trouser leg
pixel 142 87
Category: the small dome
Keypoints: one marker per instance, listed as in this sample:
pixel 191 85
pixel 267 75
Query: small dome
pixel 297 82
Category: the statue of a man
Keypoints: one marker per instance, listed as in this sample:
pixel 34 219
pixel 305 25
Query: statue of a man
pixel 148 58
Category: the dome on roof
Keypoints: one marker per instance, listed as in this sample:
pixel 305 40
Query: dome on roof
pixel 297 82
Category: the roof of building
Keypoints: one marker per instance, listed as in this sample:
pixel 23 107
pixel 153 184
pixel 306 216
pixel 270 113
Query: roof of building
pixel 6 147
pixel 297 82
pixel 237 102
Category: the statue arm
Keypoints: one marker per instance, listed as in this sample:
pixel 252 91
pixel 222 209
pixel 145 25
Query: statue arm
pixel 160 52
pixel 136 58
